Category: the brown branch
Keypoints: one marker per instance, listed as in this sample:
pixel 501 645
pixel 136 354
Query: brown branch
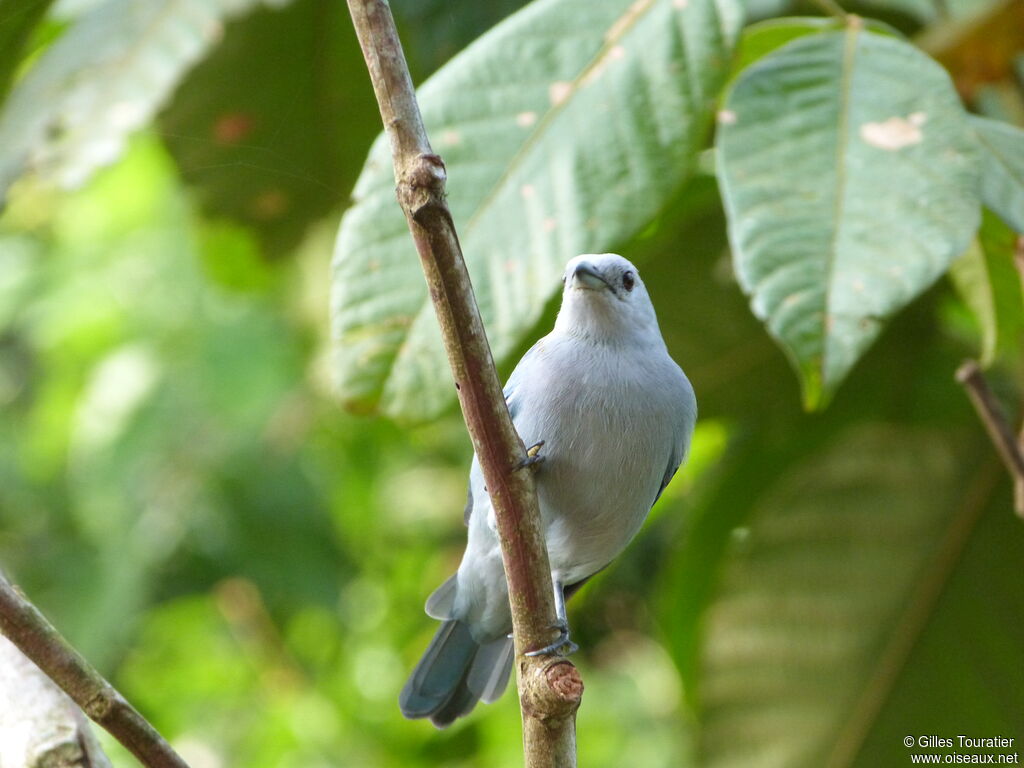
pixel 23 624
pixel 999 430
pixel 549 690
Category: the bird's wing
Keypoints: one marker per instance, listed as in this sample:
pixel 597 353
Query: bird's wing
pixel 512 385
pixel 513 408
pixel 681 444
pixel 469 505
pixel 673 464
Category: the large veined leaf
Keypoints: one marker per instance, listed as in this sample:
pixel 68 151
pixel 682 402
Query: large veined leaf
pixel 1002 176
pixel 853 573
pixel 848 173
pixel 564 130
pixel 103 78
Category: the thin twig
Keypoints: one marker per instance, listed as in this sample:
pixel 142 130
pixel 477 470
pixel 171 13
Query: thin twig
pixel 549 687
pixel 996 424
pixel 23 624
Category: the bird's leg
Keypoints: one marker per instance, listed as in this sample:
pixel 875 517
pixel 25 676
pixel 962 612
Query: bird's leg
pixel 561 624
pixel 533 457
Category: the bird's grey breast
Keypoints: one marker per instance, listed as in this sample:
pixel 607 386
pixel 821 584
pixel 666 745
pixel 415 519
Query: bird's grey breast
pixel 612 419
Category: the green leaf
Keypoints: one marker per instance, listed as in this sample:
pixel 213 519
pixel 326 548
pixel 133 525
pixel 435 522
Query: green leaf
pixel 564 130
pixel 848 189
pixel 101 80
pixel 1002 173
pixel 854 567
pixel 270 129
pixel 987 279
pixel 758 40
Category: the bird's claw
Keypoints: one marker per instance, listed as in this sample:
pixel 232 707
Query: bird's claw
pixel 563 646
pixel 533 457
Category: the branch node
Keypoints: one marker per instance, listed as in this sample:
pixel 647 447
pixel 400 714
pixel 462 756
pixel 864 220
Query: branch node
pixel 99 706
pixel 565 681
pixel 553 690
pixel 422 185
pixel 968 370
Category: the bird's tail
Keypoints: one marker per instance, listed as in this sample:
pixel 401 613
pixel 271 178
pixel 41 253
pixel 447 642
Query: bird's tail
pixel 454 673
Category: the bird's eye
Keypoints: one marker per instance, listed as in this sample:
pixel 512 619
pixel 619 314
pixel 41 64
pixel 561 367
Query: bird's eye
pixel 628 281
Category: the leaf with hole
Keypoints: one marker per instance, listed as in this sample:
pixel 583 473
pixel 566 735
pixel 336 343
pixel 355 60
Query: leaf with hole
pixel 849 176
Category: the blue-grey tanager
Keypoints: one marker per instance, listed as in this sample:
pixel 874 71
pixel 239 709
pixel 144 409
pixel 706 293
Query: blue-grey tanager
pixel 615 414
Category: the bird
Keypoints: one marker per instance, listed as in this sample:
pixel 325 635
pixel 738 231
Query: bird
pixel 615 415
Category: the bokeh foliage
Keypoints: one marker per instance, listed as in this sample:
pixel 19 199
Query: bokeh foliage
pixel 183 495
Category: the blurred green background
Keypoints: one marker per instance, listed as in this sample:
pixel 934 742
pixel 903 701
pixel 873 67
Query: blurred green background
pixel 182 496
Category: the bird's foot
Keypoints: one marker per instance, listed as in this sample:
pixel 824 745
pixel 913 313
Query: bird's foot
pixel 563 646
pixel 533 457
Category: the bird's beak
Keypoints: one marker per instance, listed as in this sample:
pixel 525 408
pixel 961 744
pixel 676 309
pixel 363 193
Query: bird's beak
pixel 586 276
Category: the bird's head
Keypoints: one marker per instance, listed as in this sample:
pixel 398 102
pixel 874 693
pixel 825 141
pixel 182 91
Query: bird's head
pixel 604 298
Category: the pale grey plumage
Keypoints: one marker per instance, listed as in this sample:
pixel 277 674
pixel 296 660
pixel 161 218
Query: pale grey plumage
pixel 616 415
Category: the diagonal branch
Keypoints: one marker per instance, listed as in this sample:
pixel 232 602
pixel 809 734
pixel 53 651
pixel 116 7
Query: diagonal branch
pixel 970 376
pixel 23 624
pixel 549 688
